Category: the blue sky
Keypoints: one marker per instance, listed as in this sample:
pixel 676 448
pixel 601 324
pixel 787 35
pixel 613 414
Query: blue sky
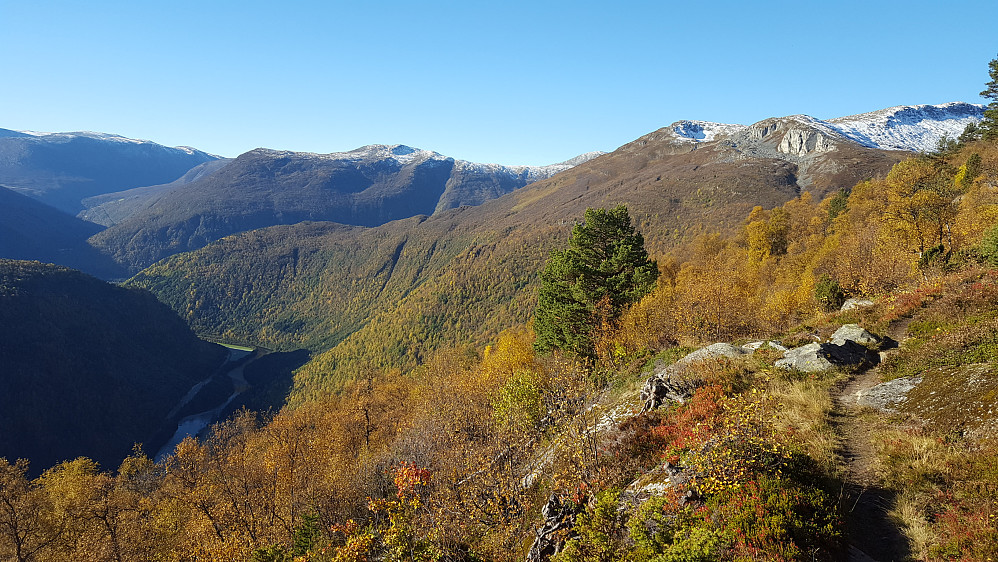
pixel 509 82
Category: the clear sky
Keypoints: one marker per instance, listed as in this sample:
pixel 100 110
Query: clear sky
pixel 513 82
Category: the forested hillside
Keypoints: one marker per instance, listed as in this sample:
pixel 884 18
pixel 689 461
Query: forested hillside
pixel 87 368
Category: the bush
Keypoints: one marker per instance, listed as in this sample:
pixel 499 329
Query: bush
pixel 518 402
pixel 775 518
pixel 987 250
pixel 828 293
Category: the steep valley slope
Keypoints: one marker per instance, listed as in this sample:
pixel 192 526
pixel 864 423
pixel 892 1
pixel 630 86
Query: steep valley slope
pixel 88 368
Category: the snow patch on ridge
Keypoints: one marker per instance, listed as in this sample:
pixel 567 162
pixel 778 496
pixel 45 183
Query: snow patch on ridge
pixel 915 128
pixel 703 131
pixel 407 155
pixel 107 137
pixel 532 173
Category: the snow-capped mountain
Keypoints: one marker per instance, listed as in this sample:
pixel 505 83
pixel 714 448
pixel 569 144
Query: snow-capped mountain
pixel 913 128
pixel 61 169
pixel 106 137
pixel 367 186
pixel 916 128
pixel 405 155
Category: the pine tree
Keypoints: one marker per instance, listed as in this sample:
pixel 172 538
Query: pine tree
pixel 604 270
pixel 989 125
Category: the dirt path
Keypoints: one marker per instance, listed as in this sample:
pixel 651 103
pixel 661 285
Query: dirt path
pixel 872 534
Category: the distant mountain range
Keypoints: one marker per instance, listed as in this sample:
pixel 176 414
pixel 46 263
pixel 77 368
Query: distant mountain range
pixel 61 169
pixel 368 186
pixel 149 201
pixel 912 128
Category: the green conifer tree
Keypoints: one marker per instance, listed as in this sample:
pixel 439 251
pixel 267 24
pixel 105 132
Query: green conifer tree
pixel 989 125
pixel 604 270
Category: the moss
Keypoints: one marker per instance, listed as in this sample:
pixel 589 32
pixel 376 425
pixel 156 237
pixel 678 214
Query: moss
pixel 956 398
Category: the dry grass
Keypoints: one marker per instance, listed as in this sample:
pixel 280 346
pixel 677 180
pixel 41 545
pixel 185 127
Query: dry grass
pixel 909 514
pixel 805 411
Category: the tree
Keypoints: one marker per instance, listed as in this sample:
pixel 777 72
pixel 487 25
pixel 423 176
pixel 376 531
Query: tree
pixel 921 206
pixel 989 125
pixel 604 270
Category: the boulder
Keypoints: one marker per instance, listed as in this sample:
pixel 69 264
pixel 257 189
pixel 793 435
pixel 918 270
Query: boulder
pixel 815 357
pixel 668 384
pixel 853 332
pixel 715 351
pixel 777 345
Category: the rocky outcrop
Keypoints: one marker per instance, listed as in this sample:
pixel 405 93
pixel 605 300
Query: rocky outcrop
pixel 670 384
pixel 887 395
pixel 816 357
pixel 714 351
pixel 850 346
pixel 550 537
pixel 803 141
pixel 660 389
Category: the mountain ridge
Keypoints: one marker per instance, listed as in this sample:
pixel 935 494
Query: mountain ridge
pixel 892 128
pixel 367 186
pixel 61 169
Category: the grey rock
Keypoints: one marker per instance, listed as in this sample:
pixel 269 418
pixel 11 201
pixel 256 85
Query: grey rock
pixel 668 384
pixel 854 303
pixel 816 357
pixel 714 351
pixel 678 476
pixel 887 395
pixel 853 332
pixel 777 345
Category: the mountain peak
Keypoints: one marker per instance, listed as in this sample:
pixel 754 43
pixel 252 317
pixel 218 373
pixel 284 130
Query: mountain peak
pixel 912 128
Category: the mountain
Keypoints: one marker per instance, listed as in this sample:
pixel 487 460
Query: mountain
pixel 917 128
pixel 912 128
pixel 32 230
pixel 111 208
pixel 368 186
pixel 464 274
pixel 88 368
pixel 61 169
